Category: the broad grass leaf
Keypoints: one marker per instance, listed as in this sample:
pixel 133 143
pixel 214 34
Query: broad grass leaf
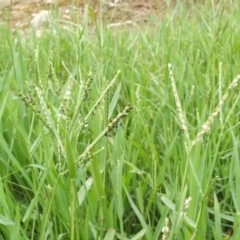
pixel 70 158
pixel 3 199
pixel 114 101
pixel 82 193
pixel 110 234
pixel 100 187
pixel 62 236
pixel 48 230
pixel 135 209
pixel 168 203
pixel 93 230
pixel 34 201
pixel 140 198
pixel 218 228
pixel 222 215
pixel 30 209
pixel 4 146
pixel 38 166
pixel 190 222
pixel 35 144
pixel 5 221
pixel 236 229
pixel 3 105
pixel 139 235
pixel 16 230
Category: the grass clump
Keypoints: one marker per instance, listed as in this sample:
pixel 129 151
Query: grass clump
pixel 72 168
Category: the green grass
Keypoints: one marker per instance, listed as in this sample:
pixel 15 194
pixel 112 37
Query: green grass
pixel 100 138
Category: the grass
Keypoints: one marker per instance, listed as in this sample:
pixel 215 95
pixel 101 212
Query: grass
pixel 127 133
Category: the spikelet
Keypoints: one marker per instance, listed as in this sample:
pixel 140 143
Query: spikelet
pixel 83 96
pixel 87 155
pixel 92 110
pixel 207 125
pixel 181 116
pixel 183 122
pixel 165 229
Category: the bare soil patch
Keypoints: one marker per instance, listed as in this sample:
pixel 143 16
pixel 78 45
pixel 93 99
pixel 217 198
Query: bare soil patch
pixel 25 13
pixel 19 13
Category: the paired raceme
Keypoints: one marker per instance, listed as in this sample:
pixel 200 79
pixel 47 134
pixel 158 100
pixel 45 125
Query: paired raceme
pixel 60 121
pixel 40 109
pixel 181 116
pixel 83 96
pixel 86 155
pixel 206 126
pixel 97 103
pixel 183 123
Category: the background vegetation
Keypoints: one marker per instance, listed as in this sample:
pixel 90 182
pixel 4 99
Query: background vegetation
pixel 78 163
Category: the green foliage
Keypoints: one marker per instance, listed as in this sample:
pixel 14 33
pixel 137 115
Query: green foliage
pixel 76 165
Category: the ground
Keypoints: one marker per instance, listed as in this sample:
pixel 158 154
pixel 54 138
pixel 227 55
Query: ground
pixel 20 13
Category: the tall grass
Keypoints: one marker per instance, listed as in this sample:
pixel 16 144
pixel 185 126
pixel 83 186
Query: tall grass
pixel 76 163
